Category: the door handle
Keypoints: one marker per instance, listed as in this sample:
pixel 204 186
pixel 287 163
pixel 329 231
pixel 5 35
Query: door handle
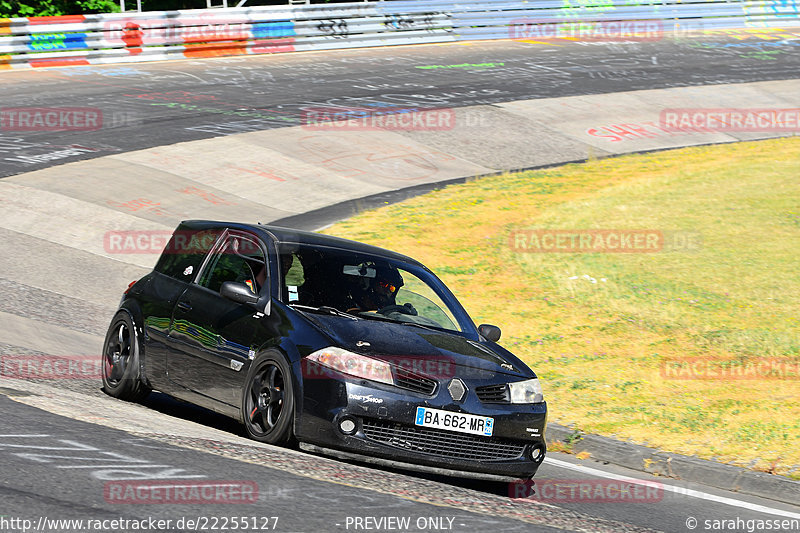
pixel 184 306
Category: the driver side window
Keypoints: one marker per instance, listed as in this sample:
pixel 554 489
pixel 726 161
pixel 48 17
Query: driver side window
pixel 238 259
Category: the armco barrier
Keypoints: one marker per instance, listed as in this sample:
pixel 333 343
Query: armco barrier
pixel 124 37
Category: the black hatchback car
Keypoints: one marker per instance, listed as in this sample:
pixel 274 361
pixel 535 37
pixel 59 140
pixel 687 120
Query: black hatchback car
pixel 344 347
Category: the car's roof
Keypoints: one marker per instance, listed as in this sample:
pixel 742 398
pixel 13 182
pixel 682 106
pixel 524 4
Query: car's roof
pixel 289 235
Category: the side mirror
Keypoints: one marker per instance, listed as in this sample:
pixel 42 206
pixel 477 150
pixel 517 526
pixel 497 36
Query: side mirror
pixel 489 332
pixel 238 292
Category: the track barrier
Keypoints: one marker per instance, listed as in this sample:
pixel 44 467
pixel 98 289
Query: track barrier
pixel 200 33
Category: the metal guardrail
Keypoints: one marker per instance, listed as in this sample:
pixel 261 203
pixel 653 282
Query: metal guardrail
pixel 152 36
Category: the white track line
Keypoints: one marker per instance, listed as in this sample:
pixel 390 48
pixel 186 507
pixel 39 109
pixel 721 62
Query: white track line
pixel 672 488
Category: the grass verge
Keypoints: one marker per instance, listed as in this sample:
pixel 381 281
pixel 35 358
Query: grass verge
pixel 601 329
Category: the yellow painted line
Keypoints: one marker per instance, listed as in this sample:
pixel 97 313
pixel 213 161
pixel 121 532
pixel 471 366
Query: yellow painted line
pixel 4 62
pixel 5 26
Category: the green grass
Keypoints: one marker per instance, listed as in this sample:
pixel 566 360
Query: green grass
pixel 599 346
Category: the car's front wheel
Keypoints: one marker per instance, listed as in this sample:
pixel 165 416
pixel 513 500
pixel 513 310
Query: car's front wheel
pixel 121 355
pixel 268 402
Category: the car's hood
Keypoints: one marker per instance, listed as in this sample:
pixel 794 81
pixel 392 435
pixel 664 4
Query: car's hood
pixel 422 349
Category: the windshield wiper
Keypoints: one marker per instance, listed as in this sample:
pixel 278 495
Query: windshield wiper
pixel 431 328
pixel 397 321
pixel 323 309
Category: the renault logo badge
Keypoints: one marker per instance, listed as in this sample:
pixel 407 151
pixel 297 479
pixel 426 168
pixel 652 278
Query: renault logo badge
pixel 457 389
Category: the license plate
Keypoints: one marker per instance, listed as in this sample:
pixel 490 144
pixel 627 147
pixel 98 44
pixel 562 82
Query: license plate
pixel 461 422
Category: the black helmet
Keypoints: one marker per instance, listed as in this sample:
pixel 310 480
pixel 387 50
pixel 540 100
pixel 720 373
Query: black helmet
pixel 388 277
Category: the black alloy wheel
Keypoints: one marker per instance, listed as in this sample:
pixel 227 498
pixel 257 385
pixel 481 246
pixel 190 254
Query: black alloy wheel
pixel 268 403
pixel 121 355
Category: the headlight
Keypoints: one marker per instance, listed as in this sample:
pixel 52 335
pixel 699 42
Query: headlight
pixel 353 364
pixel 528 391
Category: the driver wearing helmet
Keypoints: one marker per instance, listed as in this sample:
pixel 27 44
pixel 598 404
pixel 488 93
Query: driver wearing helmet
pixel 381 291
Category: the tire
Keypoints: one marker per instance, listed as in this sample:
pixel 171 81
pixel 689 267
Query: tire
pixel 268 401
pixel 121 357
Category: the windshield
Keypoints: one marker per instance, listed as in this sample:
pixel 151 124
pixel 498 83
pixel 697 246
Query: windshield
pixel 364 285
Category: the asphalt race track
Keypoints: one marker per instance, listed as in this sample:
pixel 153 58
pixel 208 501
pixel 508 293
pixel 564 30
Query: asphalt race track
pixel 65 464
pixel 62 442
pixel 146 105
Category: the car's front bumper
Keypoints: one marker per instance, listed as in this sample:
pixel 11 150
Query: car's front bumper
pixel 383 419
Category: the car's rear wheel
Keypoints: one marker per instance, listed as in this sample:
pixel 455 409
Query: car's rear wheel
pixel 268 402
pixel 121 356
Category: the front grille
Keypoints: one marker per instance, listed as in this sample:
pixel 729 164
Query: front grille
pixel 493 393
pixel 413 382
pixel 442 443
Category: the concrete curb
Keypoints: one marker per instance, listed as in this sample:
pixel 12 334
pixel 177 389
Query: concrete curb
pixel 325 216
pixel 676 466
pixel 320 218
